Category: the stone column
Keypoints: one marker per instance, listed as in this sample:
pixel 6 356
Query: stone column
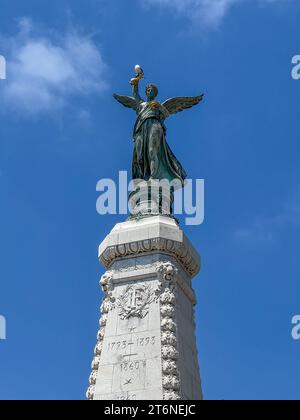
pixel 146 347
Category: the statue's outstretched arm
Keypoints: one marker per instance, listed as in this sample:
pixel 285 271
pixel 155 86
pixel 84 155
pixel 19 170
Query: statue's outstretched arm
pixel 135 89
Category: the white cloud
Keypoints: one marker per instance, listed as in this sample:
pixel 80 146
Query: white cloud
pixel 44 72
pixel 206 12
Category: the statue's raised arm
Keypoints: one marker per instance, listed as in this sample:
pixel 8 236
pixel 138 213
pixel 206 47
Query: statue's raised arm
pixel 134 101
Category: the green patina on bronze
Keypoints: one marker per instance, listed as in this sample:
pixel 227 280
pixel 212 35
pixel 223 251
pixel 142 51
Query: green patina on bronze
pixel 153 157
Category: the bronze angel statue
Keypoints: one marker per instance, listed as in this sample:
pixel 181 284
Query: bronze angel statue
pixel 152 157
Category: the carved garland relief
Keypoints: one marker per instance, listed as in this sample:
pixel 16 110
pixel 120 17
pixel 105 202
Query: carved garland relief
pixel 106 283
pixel 167 295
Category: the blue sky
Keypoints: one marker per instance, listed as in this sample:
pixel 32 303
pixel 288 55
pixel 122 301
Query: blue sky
pixel 61 131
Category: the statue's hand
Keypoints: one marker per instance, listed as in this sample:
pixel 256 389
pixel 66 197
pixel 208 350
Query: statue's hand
pixel 134 81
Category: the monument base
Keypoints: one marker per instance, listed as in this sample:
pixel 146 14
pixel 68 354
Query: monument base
pixel 146 346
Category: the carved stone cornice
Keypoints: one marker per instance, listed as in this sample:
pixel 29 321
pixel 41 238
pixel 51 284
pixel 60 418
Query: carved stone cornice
pixel 156 234
pixel 179 250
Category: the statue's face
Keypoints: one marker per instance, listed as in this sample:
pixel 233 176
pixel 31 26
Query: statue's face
pixel 151 93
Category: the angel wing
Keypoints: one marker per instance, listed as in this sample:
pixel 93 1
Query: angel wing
pixel 127 101
pixel 179 104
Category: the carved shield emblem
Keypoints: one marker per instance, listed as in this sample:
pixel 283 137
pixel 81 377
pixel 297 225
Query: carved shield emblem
pixel 135 301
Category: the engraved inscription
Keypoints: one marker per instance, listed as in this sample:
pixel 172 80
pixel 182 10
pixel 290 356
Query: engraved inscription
pixel 116 346
pixel 119 396
pixel 131 366
pixel 125 397
pixel 141 342
pixel 128 382
pixel 130 375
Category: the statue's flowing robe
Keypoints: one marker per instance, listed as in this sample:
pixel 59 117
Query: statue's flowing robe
pixel 151 146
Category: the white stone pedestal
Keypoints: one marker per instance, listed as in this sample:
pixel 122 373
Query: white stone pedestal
pixel 146 347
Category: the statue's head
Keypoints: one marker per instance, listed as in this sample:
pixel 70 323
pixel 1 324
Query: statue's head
pixel 151 91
